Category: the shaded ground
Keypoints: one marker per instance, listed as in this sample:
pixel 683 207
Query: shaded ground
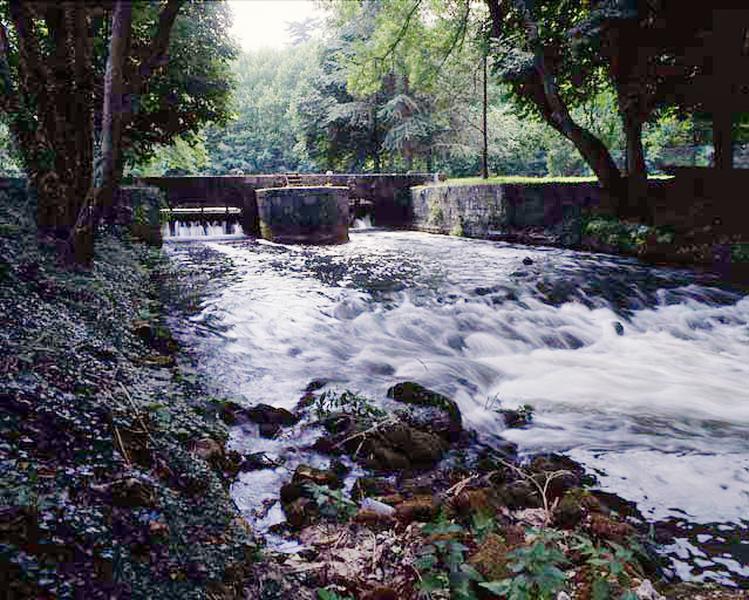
pixel 110 461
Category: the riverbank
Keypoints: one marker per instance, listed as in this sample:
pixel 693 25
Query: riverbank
pixel 673 228
pixel 112 468
pixel 115 468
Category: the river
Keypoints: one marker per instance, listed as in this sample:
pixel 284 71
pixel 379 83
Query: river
pixel 639 373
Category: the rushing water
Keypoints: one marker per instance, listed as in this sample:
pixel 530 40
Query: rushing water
pixel 196 230
pixel 640 373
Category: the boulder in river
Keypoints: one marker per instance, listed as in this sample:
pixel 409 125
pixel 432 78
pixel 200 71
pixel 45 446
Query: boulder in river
pixel 268 418
pixel 440 414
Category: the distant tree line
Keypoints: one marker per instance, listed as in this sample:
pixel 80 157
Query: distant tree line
pixel 397 85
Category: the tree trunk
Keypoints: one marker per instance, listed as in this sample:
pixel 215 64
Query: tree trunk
pixel 484 126
pixel 112 114
pixel 637 177
pixel 542 89
pixel 99 197
pixel 593 150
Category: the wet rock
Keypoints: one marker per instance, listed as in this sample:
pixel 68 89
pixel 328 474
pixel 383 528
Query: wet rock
pixel 527 261
pixel 268 430
pixel 300 512
pixel 339 424
pixel 518 417
pixel 209 450
pixel 519 494
pixel 316 385
pixel 490 558
pixel 306 474
pixel 419 508
pixel 232 413
pixel 412 393
pixel 399 447
pixel 567 474
pixel 258 461
pixel 366 487
pixel 268 418
pixel 290 492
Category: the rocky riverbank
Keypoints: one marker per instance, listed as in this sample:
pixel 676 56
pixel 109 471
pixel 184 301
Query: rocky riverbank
pixel 413 506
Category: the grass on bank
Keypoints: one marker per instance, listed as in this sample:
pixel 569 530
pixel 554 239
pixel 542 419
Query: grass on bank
pixel 522 180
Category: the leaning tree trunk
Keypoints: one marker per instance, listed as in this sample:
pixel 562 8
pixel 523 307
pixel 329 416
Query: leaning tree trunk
pixel 541 88
pixel 100 198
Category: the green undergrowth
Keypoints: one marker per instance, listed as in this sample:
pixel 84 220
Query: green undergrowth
pixel 538 570
pixel 105 491
pixel 520 180
pixel 610 233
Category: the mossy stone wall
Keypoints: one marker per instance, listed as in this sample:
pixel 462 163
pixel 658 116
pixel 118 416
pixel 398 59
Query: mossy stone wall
pixel 486 210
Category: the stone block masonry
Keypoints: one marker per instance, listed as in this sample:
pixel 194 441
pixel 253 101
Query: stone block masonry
pixel 489 210
pixel 304 215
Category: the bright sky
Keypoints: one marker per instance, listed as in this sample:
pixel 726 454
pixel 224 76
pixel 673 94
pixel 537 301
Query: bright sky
pixel 262 23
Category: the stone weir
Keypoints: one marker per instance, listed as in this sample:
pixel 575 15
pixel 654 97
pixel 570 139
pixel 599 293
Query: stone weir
pixel 304 214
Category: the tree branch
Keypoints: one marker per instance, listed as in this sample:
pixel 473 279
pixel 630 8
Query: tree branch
pixel 401 33
pixel 32 70
pixel 156 53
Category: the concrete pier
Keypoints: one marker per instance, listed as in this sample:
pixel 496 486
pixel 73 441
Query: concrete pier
pixel 304 215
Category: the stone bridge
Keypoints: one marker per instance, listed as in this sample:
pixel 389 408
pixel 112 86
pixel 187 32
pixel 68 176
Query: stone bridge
pixel 388 194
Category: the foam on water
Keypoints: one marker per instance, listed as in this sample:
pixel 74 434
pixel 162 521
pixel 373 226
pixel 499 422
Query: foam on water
pixel 196 230
pixel 639 373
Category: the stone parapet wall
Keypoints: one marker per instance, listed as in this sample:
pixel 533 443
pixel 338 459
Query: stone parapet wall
pixel 489 210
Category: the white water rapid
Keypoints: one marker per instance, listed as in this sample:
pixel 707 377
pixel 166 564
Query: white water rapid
pixel 639 373
pixel 195 230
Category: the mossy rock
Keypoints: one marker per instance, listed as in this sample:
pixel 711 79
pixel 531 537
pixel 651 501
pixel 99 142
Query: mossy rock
pixel 409 392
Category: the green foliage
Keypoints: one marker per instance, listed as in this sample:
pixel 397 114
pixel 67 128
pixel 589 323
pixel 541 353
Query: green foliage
pixel 537 568
pixel 621 235
pixel 263 136
pixel 10 161
pixel 323 594
pixel 185 156
pixel 333 504
pixel 441 563
pixel 740 253
pixel 350 403
pixel 609 565
pixel 458 230
pixel 195 87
